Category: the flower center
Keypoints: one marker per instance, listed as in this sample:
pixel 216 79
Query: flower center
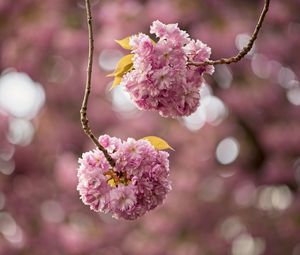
pixel 116 178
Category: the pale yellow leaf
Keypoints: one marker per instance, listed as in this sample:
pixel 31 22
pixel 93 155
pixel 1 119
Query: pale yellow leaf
pixel 116 82
pixel 124 43
pixel 158 143
pixel 123 66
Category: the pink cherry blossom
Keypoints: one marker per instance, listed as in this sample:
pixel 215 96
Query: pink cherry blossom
pixel 161 79
pixel 138 183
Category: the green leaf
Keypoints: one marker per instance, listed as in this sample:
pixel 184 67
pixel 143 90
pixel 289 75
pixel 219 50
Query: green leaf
pixel 158 143
pixel 124 43
pixel 123 66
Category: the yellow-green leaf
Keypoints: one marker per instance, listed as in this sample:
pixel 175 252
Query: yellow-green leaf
pixel 116 82
pixel 123 66
pixel 158 143
pixel 124 43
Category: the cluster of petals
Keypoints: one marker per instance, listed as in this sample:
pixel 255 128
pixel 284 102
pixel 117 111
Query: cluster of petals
pixel 138 183
pixel 161 79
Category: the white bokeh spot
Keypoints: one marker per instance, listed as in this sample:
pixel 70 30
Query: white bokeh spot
pixel 20 96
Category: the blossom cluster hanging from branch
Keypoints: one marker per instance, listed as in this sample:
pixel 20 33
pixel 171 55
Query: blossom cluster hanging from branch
pixel 129 178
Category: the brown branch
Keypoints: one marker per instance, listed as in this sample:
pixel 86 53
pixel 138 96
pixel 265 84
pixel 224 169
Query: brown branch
pixel 245 50
pixel 83 111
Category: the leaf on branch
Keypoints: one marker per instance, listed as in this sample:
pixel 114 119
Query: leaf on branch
pixel 116 82
pixel 123 66
pixel 124 43
pixel 158 143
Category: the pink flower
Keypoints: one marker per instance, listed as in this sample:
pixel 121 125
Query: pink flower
pixel 141 44
pixel 161 79
pixel 197 51
pixel 169 32
pixel 123 198
pixel 138 183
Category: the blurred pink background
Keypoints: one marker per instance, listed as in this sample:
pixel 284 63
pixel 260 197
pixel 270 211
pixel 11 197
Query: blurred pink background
pixel 236 165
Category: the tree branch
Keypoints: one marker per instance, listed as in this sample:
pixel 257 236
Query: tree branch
pixel 245 50
pixel 83 111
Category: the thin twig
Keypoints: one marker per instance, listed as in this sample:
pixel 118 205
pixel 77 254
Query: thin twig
pixel 245 50
pixel 83 111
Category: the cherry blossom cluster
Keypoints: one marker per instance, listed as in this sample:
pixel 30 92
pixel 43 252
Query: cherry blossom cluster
pixel 138 183
pixel 161 78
